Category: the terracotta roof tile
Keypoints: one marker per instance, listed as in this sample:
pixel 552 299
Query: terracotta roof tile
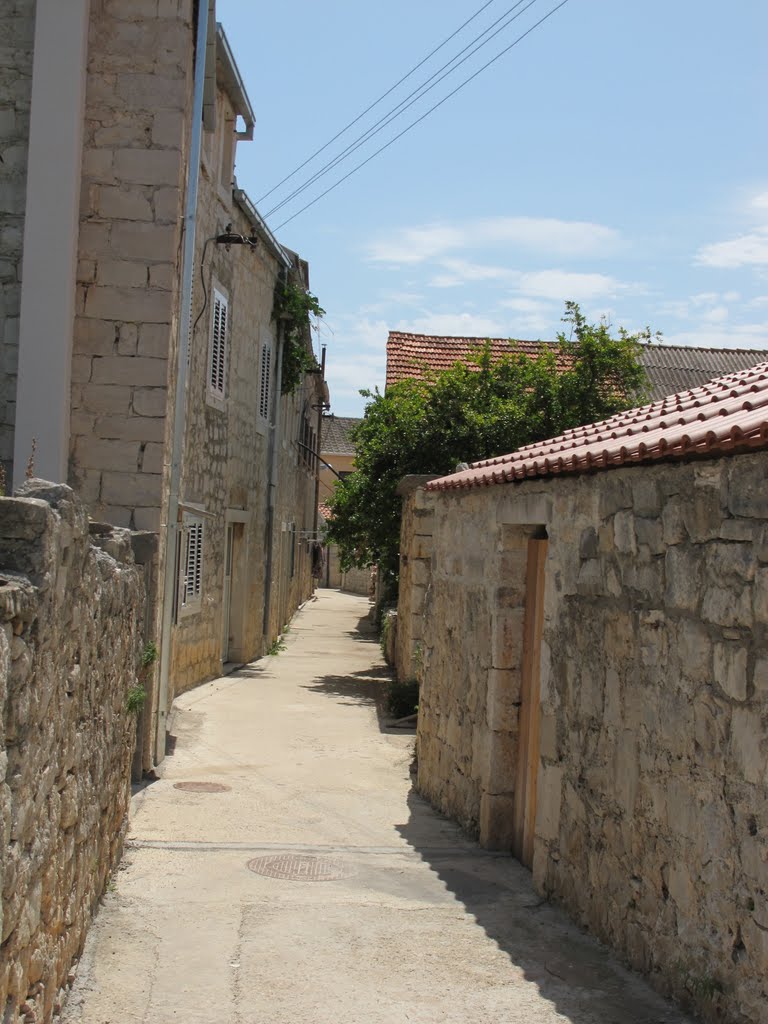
pixel 724 415
pixel 670 368
pixel 325 511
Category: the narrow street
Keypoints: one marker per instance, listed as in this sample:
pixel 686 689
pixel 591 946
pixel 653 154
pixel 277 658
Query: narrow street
pixel 299 880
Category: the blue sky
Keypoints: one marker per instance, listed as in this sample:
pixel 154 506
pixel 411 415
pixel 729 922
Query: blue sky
pixel 618 156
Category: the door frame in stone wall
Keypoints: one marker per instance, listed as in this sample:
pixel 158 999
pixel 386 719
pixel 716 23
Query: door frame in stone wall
pixel 526 782
pixel 234 591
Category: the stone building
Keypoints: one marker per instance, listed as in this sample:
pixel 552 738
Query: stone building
pixel 589 620
pixel 165 412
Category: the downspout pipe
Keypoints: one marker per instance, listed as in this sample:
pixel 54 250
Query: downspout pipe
pixel 274 460
pixel 180 410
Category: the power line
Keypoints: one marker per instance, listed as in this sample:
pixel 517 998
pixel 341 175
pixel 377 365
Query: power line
pixel 425 114
pixel 375 103
pixel 404 105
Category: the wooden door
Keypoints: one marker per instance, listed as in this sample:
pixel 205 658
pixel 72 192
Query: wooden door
pixel 530 706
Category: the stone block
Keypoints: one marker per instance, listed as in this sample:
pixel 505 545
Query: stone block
pixel 98 453
pixel 747 741
pixel 131 489
pixel 97 165
pixel 624 532
pixel 153 460
pixel 135 370
pixel 507 638
pixel 150 401
pixel 152 92
pixel 730 669
pixel 503 699
pixel 122 274
pixel 147 519
pixel 132 304
pixel 496 821
pixel 727 607
pixel 149 166
pixel 154 340
pixel 151 242
pixel 549 800
pixel 761 596
pixel 95 240
pixel 81 369
pixel 94 337
pixel 162 276
pixel 682 565
pixel 127 341
pixel 131 428
pixel 122 204
pixel 167 205
pixel 105 398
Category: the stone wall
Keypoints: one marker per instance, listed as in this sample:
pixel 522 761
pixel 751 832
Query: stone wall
pixel 70 643
pixel 138 103
pixel 652 809
pixel 18 21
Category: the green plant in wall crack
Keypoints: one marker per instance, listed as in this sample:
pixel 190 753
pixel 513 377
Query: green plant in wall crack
pixel 294 308
pixel 137 695
pixel 135 699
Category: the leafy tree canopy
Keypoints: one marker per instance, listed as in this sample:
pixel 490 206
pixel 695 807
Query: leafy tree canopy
pixel 474 411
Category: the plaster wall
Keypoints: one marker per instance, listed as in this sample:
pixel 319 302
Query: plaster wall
pixel 652 811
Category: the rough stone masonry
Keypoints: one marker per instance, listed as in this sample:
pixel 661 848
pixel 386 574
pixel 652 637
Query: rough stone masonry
pixel 652 810
pixel 70 643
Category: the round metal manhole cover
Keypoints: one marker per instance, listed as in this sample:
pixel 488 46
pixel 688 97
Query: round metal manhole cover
pixel 201 787
pixel 300 867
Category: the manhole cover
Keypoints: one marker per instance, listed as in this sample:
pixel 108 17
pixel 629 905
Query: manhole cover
pixel 202 787
pixel 300 867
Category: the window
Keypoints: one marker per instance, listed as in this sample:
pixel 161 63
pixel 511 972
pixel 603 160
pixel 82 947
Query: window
pixel 217 362
pixel 266 366
pixel 191 564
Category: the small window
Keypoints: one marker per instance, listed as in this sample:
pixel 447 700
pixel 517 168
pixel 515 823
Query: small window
pixel 191 564
pixel 266 369
pixel 217 362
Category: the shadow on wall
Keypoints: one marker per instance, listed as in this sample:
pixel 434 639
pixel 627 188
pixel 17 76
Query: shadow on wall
pixel 572 970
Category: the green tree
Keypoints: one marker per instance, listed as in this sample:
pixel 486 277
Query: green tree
pixel 472 411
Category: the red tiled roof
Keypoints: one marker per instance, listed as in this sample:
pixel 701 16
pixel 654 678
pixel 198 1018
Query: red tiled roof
pixel 668 367
pixel 415 355
pixel 724 415
pixel 325 510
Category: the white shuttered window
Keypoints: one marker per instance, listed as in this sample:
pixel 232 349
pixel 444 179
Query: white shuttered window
pixel 218 348
pixel 266 377
pixel 191 567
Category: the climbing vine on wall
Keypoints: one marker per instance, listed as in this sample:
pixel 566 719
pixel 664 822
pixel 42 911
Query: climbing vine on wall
pixel 294 308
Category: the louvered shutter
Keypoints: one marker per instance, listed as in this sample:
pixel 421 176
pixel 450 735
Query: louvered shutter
pixel 192 584
pixel 266 368
pixel 218 347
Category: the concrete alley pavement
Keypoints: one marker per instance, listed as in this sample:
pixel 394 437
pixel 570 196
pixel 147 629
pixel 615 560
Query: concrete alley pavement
pixel 299 881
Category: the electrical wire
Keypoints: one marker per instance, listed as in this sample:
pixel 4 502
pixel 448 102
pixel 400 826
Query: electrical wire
pixel 375 103
pixel 425 114
pixel 417 94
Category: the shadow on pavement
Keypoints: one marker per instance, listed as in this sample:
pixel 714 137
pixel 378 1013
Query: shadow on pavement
pixel 578 975
pixel 366 688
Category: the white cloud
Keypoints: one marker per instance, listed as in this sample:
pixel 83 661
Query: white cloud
pixel 560 285
pixel 462 271
pixel 460 325
pixel 746 250
pixel 733 336
pixel 544 234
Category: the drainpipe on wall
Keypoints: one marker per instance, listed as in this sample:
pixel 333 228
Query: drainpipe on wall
pixel 179 412
pixel 274 453
pixel 319 442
